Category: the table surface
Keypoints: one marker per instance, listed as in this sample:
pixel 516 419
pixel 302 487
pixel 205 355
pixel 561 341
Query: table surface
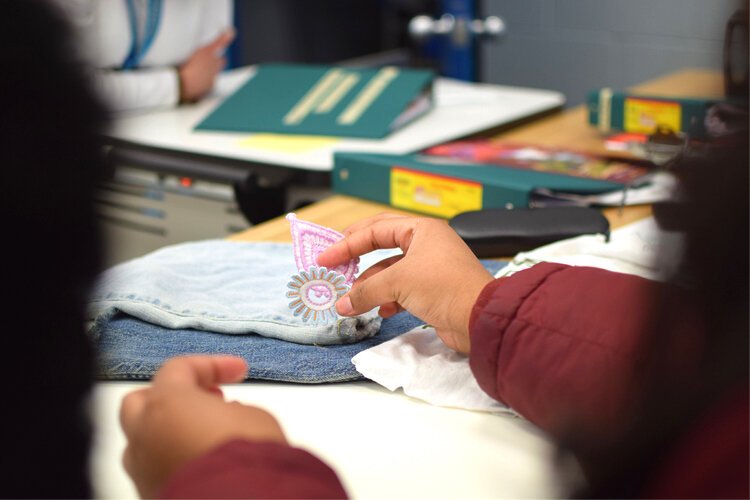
pixel 461 108
pixel 386 444
pixel 565 129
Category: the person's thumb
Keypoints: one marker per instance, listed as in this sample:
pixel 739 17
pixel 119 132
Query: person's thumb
pixel 221 41
pixel 368 294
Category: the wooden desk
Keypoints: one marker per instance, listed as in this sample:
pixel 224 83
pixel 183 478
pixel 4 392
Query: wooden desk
pixel 339 211
pixel 566 129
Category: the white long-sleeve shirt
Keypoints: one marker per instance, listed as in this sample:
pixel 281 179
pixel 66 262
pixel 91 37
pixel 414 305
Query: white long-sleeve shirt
pixel 105 38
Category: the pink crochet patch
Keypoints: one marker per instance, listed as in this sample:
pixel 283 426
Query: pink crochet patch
pixel 310 240
pixel 315 290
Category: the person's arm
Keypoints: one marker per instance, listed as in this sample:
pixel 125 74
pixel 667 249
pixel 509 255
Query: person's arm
pixel 246 469
pixel 561 344
pixel 185 441
pixel 556 343
pixel 181 66
pixel 146 88
pixel 138 89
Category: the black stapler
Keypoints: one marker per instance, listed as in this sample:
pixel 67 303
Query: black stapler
pixel 505 232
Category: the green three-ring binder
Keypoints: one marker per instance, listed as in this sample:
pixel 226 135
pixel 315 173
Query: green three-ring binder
pixel 325 100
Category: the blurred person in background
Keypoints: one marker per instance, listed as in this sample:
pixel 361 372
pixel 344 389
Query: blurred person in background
pixel 152 53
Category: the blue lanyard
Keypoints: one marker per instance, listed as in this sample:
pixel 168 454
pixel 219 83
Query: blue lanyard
pixel 138 50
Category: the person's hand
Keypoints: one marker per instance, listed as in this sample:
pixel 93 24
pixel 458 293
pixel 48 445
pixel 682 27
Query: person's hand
pixel 183 415
pixel 198 73
pixel 437 279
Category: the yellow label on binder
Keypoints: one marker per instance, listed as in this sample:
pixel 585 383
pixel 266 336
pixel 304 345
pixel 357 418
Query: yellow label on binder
pixel 433 194
pixel 644 115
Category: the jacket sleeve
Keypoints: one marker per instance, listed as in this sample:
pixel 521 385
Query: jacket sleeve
pixel 244 469
pixel 138 89
pixel 559 344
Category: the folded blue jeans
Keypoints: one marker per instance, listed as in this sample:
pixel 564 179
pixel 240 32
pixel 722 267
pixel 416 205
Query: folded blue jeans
pixel 220 286
pixel 129 348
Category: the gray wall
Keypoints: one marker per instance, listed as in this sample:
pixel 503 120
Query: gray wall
pixel 576 45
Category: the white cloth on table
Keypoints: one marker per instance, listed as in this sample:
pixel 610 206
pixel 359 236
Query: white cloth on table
pixel 419 362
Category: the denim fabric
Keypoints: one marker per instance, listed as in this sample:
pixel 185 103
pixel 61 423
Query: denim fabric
pixel 132 349
pixel 220 286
